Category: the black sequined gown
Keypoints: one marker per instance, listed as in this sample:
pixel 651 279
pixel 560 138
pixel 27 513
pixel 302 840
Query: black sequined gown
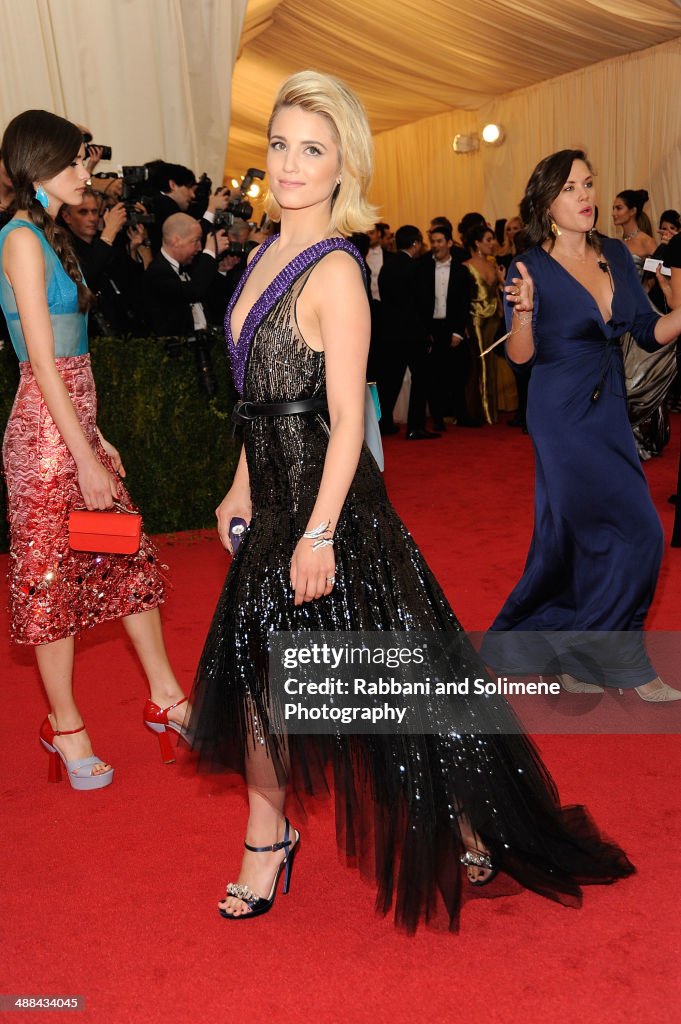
pixel 396 797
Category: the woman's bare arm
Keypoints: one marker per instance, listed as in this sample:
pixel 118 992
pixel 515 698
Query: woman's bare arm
pixel 337 295
pixel 23 262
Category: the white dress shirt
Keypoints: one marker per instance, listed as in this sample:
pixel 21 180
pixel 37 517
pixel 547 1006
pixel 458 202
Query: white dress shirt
pixel 442 269
pixel 374 260
pixel 198 314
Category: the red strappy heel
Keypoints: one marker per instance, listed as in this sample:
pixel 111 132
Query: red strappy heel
pixel 80 770
pixel 156 719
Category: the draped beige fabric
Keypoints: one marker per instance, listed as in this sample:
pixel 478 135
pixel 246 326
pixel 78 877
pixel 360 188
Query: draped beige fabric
pixel 151 78
pixel 624 111
pixel 412 59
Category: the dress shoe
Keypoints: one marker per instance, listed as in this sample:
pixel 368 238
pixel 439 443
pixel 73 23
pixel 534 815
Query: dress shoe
pixel 440 425
pixel 660 694
pixel 156 719
pixel 388 428
pixel 258 905
pixel 80 771
pixel 573 685
pixel 421 435
pixel 517 421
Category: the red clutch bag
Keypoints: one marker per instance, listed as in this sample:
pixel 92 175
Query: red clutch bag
pixel 115 531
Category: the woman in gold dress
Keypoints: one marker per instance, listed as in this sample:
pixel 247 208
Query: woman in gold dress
pixel 484 394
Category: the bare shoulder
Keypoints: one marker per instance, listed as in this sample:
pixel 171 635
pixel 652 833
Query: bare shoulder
pixel 252 252
pixel 338 268
pixel 22 255
pixel 22 240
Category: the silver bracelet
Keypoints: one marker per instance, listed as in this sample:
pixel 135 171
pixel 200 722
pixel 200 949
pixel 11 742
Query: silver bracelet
pixel 524 319
pixel 318 536
pixel 318 531
pixel 323 542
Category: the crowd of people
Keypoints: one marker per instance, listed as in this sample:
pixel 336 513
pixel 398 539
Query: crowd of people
pixel 166 269
pixel 321 547
pixel 437 309
pixel 164 264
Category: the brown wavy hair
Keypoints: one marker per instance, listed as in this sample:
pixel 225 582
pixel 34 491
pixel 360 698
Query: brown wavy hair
pixel 36 146
pixel 546 181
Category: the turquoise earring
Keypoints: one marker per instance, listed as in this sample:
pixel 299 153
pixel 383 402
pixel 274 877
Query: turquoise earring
pixel 42 197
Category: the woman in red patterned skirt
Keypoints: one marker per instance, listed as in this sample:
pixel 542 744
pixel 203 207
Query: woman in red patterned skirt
pixel 55 458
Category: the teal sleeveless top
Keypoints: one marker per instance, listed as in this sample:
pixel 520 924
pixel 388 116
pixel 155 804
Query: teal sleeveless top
pixel 69 326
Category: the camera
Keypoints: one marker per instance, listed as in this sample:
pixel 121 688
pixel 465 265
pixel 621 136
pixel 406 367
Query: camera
pixel 90 146
pixel 134 177
pixel 238 207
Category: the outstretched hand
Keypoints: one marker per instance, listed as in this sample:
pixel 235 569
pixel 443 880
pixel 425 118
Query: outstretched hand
pixel 520 291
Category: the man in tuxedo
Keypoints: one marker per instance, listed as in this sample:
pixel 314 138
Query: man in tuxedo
pixel 403 334
pixel 179 278
pixel 444 302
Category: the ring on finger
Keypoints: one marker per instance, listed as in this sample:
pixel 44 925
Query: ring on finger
pixel 331 580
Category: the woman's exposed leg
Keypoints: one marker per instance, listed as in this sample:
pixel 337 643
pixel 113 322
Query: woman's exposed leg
pixel 266 824
pixel 146 633
pixel 473 844
pixel 55 664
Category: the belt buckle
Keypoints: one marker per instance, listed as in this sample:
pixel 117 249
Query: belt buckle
pixel 241 411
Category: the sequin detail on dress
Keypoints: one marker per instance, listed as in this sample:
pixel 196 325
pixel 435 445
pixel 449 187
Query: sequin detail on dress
pixel 56 592
pixel 397 798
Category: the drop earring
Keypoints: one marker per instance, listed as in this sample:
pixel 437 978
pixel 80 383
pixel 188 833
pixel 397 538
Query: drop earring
pixel 42 197
pixel 555 230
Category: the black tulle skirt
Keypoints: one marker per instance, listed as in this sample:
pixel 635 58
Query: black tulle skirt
pixel 397 797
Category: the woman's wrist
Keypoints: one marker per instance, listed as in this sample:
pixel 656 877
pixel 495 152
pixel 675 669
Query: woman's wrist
pixel 320 535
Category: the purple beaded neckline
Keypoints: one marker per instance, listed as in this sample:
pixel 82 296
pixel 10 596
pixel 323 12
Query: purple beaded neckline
pixel 239 352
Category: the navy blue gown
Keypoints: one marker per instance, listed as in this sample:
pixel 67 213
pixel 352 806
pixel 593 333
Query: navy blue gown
pixel 597 543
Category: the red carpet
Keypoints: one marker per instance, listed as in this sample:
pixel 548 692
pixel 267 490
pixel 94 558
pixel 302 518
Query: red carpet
pixel 111 895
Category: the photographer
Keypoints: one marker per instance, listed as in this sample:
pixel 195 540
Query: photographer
pixel 177 187
pixel 112 262
pixel 174 295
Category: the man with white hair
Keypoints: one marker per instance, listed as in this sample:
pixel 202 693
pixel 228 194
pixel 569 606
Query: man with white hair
pixel 179 278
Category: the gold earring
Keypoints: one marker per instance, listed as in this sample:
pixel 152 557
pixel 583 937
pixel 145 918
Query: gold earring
pixel 555 230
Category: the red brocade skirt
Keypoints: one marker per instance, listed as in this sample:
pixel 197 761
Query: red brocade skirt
pixel 54 591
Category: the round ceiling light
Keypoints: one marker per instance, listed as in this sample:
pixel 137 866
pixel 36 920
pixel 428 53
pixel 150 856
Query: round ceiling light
pixel 493 134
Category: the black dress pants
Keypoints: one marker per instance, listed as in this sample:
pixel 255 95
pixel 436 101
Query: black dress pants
pixel 398 354
pixel 447 370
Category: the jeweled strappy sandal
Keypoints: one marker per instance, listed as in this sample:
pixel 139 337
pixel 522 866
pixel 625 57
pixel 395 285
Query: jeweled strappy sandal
pixel 475 858
pixel 258 905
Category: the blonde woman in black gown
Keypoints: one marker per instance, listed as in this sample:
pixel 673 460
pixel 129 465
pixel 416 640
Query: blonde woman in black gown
pixel 298 331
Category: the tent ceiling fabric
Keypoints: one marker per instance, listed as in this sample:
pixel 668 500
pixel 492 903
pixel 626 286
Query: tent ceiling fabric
pixel 410 59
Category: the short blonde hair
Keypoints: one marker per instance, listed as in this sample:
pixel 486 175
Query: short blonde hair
pixel 322 94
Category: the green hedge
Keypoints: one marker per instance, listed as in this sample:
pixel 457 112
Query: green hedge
pixel 176 446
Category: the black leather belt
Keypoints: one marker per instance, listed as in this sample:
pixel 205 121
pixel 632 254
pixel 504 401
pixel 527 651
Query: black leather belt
pixel 245 412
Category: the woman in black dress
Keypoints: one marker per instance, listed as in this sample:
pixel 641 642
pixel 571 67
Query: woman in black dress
pixel 298 332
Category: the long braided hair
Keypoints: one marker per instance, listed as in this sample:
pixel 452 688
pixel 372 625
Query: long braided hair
pixel 36 146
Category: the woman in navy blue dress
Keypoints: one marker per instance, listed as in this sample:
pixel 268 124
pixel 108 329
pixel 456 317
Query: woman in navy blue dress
pixel 597 543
